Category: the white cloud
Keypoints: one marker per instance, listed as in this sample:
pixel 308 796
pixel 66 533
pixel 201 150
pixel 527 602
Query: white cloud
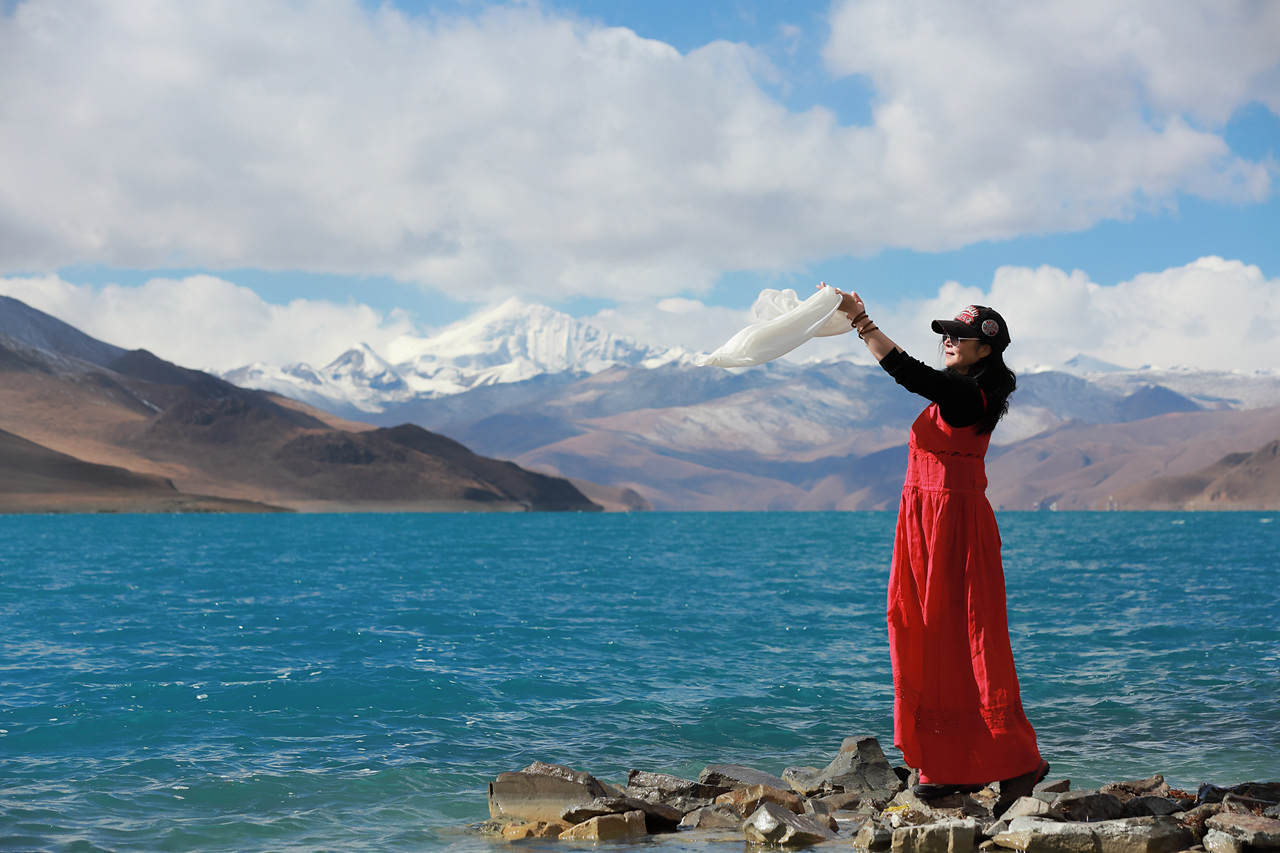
pixel 674 322
pixel 526 152
pixel 208 323
pixel 1009 117
pixel 1212 314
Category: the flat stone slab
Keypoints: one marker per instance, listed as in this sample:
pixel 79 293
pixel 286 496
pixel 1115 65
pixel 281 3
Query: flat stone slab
pixel 945 836
pixel 1127 835
pixel 541 792
pixel 658 817
pixel 608 828
pixel 734 776
pixel 1261 832
pixel 712 817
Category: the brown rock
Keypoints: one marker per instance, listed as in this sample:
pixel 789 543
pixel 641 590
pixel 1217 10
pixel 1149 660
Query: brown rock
pixel 1255 831
pixel 1194 819
pixel 608 827
pixel 541 792
pixel 842 802
pixel 746 800
pixel 534 829
pixel 1125 791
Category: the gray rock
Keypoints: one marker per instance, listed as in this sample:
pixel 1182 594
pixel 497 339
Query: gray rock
pixel 657 816
pixel 712 817
pixel 673 785
pixel 806 780
pixel 1161 834
pixel 1030 807
pixel 1149 805
pixel 735 776
pixel 873 837
pixel 541 792
pixel 1264 792
pixel 816 807
pixel 1054 786
pixel 1259 832
pixel 1038 835
pixel 1216 841
pixel 682 794
pixel 1132 835
pixel 1242 805
pixel 859 767
pixel 1088 806
pixel 772 824
pixel 947 836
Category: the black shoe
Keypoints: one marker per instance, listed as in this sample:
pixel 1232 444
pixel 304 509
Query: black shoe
pixel 932 791
pixel 1011 790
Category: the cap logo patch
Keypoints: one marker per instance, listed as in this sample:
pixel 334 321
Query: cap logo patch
pixel 990 328
pixel 968 316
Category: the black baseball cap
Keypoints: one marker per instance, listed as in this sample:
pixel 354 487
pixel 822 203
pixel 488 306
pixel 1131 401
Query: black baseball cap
pixel 976 321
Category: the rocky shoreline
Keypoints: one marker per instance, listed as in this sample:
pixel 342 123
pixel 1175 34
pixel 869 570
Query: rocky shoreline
pixel 860 800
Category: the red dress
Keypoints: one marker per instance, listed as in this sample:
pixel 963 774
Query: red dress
pixel 957 710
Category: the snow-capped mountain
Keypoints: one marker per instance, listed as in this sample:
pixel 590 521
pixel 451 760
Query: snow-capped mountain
pixel 509 343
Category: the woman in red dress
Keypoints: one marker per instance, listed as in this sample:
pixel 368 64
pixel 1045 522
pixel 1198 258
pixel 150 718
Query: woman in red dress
pixel 957 710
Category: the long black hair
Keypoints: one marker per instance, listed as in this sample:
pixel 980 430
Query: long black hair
pixel 997 382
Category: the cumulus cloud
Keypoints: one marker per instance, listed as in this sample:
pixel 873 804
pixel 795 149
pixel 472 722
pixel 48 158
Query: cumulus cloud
pixel 525 151
pixel 1212 314
pixel 205 322
pixel 674 322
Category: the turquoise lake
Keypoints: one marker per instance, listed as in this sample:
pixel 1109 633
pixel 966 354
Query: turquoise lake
pixel 353 682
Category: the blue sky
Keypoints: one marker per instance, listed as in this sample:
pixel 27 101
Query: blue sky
pixel 271 180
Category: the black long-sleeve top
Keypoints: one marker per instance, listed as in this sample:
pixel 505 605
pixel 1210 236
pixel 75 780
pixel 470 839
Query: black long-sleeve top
pixel 959 399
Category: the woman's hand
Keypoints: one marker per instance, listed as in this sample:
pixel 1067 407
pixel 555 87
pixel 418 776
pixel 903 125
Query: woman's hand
pixel 850 303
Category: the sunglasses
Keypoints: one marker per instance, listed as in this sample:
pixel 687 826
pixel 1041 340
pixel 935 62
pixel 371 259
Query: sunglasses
pixel 955 340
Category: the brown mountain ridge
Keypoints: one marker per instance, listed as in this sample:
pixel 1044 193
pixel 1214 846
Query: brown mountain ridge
pixel 92 427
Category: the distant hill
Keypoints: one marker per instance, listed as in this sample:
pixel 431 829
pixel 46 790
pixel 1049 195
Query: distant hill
pixel 34 479
pixel 108 424
pixel 1236 481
